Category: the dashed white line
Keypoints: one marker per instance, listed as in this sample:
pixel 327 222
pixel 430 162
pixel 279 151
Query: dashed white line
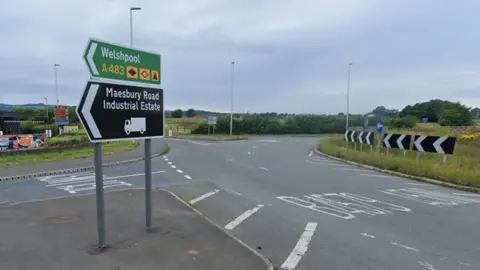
pixel 173 166
pixel 417 184
pixel 311 153
pixel 427 265
pixel 3 202
pixel 368 235
pixel 465 264
pixel 376 175
pixel 249 153
pixel 206 195
pixel 169 163
pixel 302 245
pixel 405 247
pixel 180 171
pixel 234 223
pixel 187 176
pixel 263 168
pixel 166 159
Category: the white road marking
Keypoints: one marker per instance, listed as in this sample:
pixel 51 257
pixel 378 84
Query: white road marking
pixel 376 175
pixel 188 177
pixel 368 235
pixel 349 169
pixel 263 168
pixel 466 194
pixel 230 159
pixel 204 196
pixel 254 146
pixel 180 171
pixel 417 184
pixel 465 264
pixel 311 153
pixel 249 153
pixel 173 166
pixel 427 265
pixel 91 178
pixel 166 159
pixel 405 247
pixel 169 163
pixel 302 246
pixel 3 202
pixel 234 223
pixel 326 162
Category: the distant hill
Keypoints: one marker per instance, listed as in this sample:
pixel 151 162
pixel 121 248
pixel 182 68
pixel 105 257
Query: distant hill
pixel 26 106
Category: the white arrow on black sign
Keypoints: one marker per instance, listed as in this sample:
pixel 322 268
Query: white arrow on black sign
pixel 360 137
pixel 386 140
pixel 346 135
pixel 370 137
pixel 352 136
pixel 399 141
pixel 121 111
pixel 434 144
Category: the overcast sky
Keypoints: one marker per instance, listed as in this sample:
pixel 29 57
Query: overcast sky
pixel 290 56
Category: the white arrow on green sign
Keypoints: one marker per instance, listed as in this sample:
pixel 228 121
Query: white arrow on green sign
pixel 110 61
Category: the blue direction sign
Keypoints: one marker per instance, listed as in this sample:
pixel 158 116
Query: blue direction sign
pixel 380 126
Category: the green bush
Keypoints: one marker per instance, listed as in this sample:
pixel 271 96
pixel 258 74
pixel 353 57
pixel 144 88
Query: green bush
pixel 65 140
pixel 403 122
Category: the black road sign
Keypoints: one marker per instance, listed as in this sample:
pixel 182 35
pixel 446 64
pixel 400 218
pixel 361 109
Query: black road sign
pixel 350 135
pixel 434 144
pixel 401 141
pixel 366 137
pixel 119 112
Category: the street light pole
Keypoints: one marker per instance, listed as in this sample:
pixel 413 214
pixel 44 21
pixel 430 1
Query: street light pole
pixel 56 81
pixel 131 24
pixel 231 98
pixel 348 96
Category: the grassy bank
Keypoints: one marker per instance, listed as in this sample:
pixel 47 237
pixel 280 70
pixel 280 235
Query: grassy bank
pixel 107 149
pixel 461 168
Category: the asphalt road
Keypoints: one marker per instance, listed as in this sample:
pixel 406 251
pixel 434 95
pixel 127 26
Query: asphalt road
pixel 300 210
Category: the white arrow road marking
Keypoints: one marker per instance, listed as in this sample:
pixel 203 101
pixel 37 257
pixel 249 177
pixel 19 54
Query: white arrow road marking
pixel 438 145
pixel 90 54
pixel 386 140
pixel 301 247
pixel 360 137
pixel 87 107
pixel 234 223
pixel 418 143
pixel 400 141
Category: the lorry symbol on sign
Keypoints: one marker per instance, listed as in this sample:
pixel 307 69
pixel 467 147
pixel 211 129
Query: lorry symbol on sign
pixel 135 124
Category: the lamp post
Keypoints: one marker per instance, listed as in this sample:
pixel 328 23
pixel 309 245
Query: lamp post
pixel 348 96
pixel 56 81
pixel 231 98
pixel 131 24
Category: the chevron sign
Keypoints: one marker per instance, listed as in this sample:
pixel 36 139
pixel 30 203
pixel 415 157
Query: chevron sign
pixel 400 141
pixel 434 144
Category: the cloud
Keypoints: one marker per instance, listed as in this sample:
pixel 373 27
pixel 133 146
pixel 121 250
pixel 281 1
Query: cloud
pixel 290 56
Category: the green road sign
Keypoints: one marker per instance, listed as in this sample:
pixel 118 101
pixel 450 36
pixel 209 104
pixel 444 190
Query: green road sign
pixel 109 61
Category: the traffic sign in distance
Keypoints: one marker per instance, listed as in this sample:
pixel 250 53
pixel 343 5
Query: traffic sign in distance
pixel 118 111
pixel 350 135
pixel 366 137
pixel 61 115
pixel 434 144
pixel 212 120
pixel 109 61
pixel 400 141
pixel 380 126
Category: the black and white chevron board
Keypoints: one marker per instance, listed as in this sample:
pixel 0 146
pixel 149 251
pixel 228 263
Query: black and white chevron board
pixel 434 144
pixel 366 137
pixel 350 135
pixel 400 141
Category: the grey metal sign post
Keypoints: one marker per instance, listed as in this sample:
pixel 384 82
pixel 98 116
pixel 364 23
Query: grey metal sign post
pixel 123 102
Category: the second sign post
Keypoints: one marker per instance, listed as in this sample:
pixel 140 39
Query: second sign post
pixel 123 100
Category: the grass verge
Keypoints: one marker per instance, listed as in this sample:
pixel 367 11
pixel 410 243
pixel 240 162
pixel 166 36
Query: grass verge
pixel 107 149
pixel 461 168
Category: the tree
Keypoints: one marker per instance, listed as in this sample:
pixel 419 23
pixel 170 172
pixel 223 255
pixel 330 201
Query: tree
pixel 178 113
pixel 476 112
pixel 190 113
pixel 455 114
